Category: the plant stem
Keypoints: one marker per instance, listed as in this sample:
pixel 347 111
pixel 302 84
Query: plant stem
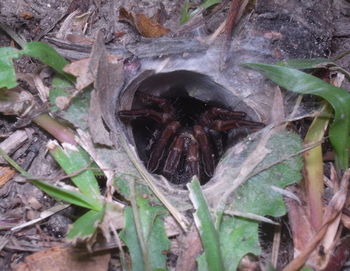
pixel 56 129
pixel 313 168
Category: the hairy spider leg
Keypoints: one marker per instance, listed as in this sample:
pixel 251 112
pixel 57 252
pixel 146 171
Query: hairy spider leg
pixel 158 148
pixel 192 159
pixel 225 125
pixel 206 152
pixel 161 118
pixel 174 156
pixel 217 140
pixel 211 114
pixel 162 103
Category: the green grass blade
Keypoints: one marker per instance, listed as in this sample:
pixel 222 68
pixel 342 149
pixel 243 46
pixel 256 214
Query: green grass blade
pixel 73 160
pixel 47 55
pixel 54 191
pixel 186 14
pixel 209 3
pixel 339 98
pixel 129 236
pixel 205 225
pixel 38 50
pixel 72 197
pixel 301 64
pixel 86 225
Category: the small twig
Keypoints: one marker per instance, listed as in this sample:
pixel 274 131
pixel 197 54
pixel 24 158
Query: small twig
pixel 45 214
pixel 276 246
pixel 332 211
pixel 235 12
pixel 341 55
pixel 230 22
pixel 61 177
pixel 251 216
pixel 216 33
pixel 4 240
pixel 120 247
pixel 53 25
pixel 296 106
pixel 16 37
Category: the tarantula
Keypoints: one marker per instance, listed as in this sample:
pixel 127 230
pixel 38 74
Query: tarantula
pixel 185 146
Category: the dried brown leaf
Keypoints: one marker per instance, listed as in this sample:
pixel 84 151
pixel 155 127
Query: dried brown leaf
pixel 97 129
pixel 60 259
pixel 332 210
pixel 6 173
pixel 15 102
pixel 302 230
pixel 146 26
pixel 86 69
pixel 81 70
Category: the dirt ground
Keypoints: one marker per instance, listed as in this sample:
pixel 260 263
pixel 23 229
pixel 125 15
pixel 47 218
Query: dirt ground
pixel 266 32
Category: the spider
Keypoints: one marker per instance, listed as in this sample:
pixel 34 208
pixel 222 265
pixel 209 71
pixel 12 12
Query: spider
pixel 186 144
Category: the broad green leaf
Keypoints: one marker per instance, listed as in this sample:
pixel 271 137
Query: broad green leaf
pixel 73 161
pixel 314 63
pixel 302 64
pixel 47 55
pixel 77 111
pixel 241 232
pixel 339 98
pixel 86 225
pixel 256 195
pixel 153 233
pixel 7 70
pixel 72 197
pixel 239 236
pixel 206 228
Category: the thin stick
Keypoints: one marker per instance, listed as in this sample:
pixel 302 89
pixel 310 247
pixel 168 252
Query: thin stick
pixel 120 247
pixel 276 246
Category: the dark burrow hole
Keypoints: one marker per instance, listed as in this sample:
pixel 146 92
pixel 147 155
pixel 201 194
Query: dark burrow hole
pixel 179 89
pixel 188 112
pixel 147 132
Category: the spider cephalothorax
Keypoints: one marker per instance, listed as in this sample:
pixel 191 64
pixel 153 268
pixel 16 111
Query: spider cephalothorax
pixel 185 143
